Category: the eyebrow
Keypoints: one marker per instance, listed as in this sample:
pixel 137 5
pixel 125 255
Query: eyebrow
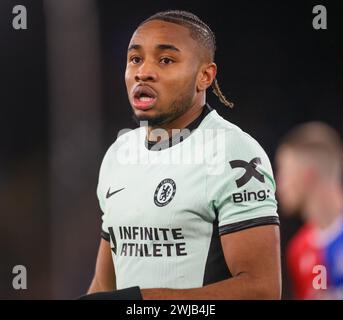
pixel 167 47
pixel 162 46
pixel 134 47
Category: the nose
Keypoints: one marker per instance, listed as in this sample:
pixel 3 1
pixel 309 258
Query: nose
pixel 145 72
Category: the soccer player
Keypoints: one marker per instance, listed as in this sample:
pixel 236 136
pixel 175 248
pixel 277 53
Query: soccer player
pixel 205 227
pixel 309 179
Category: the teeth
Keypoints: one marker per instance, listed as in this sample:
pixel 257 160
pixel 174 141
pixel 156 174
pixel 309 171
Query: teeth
pixel 145 99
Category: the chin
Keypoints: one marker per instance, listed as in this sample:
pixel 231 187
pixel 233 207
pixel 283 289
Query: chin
pixel 152 118
pixel 144 115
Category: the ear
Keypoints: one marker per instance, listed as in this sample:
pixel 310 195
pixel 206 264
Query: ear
pixel 206 76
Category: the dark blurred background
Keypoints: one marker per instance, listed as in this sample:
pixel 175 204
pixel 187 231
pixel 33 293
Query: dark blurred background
pixel 63 100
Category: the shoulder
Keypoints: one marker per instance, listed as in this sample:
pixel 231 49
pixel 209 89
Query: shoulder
pixel 239 181
pixel 235 142
pixel 126 143
pixel 127 138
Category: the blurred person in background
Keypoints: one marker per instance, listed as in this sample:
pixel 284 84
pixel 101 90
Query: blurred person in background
pixel 309 181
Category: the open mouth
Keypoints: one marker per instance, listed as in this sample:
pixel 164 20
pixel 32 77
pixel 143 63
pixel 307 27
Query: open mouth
pixel 144 97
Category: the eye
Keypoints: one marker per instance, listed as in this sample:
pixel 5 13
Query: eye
pixel 166 60
pixel 135 59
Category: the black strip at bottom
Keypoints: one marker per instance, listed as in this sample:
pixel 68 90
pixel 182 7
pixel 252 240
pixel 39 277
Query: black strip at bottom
pixel 105 235
pixel 238 226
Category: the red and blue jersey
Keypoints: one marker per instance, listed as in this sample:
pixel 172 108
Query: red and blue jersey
pixel 311 247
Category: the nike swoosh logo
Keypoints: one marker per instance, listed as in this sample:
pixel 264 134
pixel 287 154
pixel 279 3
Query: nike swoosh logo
pixel 110 194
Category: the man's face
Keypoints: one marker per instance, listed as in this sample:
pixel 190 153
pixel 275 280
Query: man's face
pixel 291 180
pixel 161 73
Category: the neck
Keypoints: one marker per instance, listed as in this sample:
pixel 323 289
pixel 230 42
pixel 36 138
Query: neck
pixel 325 205
pixel 179 123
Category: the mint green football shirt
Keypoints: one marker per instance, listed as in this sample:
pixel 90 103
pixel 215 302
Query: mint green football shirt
pixel 165 207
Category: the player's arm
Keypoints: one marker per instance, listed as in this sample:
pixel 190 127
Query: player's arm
pixel 104 277
pixel 253 258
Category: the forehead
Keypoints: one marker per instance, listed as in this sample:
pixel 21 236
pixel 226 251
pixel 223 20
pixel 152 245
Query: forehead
pixel 162 32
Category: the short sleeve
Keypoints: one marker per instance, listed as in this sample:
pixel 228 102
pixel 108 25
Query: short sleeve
pixel 101 194
pixel 242 192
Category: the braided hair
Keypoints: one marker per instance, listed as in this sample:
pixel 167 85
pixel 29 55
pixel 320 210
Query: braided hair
pixel 200 32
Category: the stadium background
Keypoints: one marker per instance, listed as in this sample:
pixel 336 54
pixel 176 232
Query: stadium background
pixel 63 100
